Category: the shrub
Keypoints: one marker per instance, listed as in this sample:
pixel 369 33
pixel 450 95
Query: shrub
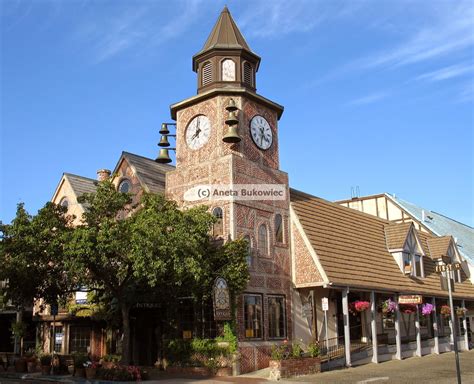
pixel 46 359
pixel 112 358
pixel 279 352
pixel 296 350
pixel 80 360
pixel 313 349
pixel 229 337
pixel 120 373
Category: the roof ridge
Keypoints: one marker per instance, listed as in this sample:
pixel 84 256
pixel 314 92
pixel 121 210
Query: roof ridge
pixel 81 177
pixel 346 209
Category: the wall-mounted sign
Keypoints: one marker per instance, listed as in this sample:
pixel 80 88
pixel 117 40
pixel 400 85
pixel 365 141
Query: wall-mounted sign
pixel 410 299
pixel 448 267
pixel 221 300
pixel 325 303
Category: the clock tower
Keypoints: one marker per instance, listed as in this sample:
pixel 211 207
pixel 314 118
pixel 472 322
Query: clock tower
pixel 226 98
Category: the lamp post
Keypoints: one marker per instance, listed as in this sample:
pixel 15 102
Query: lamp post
pixel 449 268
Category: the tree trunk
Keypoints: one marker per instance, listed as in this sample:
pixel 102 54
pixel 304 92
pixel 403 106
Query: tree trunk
pixel 125 309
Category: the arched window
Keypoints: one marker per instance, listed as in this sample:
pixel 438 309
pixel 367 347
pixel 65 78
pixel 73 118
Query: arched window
pixel 228 70
pixel 206 74
pixel 248 74
pixel 124 186
pixel 263 240
pixel 249 250
pixel 278 228
pixel 64 202
pixel 218 227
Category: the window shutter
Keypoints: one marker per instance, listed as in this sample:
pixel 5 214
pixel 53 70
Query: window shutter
pixel 207 74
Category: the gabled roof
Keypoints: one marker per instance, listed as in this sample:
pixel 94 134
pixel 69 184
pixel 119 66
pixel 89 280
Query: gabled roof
pixel 439 246
pixel 351 247
pixel 81 184
pixel 396 235
pixel 441 225
pixel 152 175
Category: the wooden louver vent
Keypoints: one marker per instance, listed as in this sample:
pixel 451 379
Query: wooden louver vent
pixel 206 74
pixel 248 75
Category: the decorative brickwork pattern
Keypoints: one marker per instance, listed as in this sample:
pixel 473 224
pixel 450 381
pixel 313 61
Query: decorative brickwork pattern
pixel 305 270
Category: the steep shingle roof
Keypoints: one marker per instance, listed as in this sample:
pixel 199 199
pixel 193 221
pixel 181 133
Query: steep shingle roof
pixel 439 246
pixel 150 173
pixel 352 250
pixel 81 184
pixel 396 235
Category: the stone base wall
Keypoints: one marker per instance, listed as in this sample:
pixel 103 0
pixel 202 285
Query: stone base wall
pixel 294 367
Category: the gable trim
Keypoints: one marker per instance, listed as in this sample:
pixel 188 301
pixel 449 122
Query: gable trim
pixel 309 246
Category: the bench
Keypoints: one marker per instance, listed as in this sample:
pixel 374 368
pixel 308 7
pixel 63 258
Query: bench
pixel 7 359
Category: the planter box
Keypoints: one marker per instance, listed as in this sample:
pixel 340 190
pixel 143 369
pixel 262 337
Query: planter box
pixel 294 367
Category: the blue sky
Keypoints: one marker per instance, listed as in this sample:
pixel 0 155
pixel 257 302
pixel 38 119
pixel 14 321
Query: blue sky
pixel 377 94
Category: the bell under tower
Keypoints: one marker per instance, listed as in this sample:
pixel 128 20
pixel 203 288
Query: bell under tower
pixel 226 60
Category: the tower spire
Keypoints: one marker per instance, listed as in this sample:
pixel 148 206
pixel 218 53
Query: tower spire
pixel 225 59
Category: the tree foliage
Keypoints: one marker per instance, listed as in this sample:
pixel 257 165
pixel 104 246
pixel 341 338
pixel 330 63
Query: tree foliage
pixel 32 255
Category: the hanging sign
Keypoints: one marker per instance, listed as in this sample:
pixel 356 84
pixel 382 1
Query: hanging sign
pixel 221 300
pixel 325 303
pixel 410 299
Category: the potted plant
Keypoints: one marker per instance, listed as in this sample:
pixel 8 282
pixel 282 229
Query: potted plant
pixel 408 308
pixel 90 369
pixel 388 306
pixel 110 361
pixel 461 311
pixel 79 369
pixel 361 305
pixel 427 309
pixel 45 361
pixel 445 310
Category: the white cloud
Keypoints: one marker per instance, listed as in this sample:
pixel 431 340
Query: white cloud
pixel 448 31
pixel 369 99
pixel 447 72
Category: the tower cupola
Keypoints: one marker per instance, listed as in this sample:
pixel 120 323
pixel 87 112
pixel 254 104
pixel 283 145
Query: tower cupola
pixel 226 60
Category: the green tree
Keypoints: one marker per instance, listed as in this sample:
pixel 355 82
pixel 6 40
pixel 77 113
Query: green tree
pixel 123 249
pixel 31 256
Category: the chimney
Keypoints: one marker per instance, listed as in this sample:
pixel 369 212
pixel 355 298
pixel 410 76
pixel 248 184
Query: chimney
pixel 103 174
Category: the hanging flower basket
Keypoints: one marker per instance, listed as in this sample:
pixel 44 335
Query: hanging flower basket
pixel 388 306
pixel 408 308
pixel 427 309
pixel 361 306
pixel 445 310
pixel 461 311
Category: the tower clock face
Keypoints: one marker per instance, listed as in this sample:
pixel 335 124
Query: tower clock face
pixel 261 132
pixel 198 132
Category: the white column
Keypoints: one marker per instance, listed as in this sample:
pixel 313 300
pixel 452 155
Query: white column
pixel 347 332
pixel 451 336
pixel 373 324
pixel 418 332
pixel 398 336
pixel 435 327
pixel 464 325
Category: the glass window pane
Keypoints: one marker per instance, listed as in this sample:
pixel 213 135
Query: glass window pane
pixel 278 229
pixel 218 227
pixel 79 339
pixel 253 316
pixel 262 240
pixel 276 317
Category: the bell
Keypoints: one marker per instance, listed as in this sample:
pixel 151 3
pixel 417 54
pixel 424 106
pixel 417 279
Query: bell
pixel 232 136
pixel 231 107
pixel 232 119
pixel 164 129
pixel 164 141
pixel 164 156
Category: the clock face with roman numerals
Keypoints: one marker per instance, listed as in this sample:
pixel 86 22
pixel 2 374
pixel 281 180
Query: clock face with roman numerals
pixel 261 132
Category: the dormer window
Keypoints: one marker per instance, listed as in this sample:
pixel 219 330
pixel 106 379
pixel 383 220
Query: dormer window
pixel 412 257
pixel 228 70
pixel 206 74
